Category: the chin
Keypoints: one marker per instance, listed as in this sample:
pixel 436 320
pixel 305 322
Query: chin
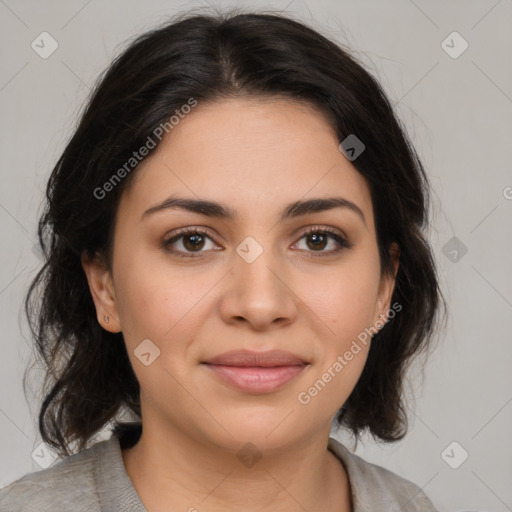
pixel 268 428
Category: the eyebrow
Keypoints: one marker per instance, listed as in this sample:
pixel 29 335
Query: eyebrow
pixel 218 210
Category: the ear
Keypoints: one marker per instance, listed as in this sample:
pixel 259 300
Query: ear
pixel 387 286
pixel 102 290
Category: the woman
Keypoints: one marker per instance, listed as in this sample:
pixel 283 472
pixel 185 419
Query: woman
pixel 236 258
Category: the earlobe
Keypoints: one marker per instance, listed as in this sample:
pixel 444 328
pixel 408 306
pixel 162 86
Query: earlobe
pixel 102 291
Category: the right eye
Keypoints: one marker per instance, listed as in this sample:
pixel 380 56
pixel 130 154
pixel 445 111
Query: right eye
pixel 191 239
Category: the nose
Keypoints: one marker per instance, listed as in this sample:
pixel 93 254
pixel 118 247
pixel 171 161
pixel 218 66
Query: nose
pixel 258 294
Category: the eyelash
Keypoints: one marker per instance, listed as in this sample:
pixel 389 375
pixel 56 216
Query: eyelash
pixel 342 242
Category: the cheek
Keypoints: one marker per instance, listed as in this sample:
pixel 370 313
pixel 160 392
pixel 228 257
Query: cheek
pixel 155 306
pixel 344 300
pixel 342 349
pixel 158 302
pixel 343 307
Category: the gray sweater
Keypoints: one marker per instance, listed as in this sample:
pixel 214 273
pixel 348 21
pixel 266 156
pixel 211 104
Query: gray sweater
pixel 95 480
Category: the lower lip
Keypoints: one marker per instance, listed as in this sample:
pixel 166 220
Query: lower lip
pixel 256 379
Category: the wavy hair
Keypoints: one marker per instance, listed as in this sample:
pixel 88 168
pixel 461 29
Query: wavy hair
pixel 88 377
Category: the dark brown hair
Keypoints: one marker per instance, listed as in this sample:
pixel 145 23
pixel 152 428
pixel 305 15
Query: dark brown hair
pixel 89 379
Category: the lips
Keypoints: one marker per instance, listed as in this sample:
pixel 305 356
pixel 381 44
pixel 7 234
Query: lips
pixel 271 358
pixel 256 372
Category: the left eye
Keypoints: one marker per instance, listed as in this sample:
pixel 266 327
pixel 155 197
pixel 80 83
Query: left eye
pixel 319 238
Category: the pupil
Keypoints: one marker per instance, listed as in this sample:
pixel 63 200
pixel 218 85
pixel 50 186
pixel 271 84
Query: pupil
pixel 316 237
pixel 196 243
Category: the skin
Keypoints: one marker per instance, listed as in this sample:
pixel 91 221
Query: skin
pixel 255 156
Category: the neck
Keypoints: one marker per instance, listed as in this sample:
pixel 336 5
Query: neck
pixel 172 470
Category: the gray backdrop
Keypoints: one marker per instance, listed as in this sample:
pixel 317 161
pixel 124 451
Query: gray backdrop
pixel 446 66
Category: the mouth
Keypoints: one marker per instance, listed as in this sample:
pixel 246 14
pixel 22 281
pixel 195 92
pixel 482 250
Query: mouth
pixel 268 359
pixel 256 379
pixel 256 372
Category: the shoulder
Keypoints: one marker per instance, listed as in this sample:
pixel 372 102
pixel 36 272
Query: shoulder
pixel 376 488
pixel 69 484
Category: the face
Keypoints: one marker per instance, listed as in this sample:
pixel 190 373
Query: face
pixel 256 280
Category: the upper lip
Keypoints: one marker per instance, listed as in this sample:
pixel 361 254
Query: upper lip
pixel 249 358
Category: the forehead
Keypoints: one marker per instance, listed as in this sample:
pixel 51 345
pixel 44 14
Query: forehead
pixel 253 154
